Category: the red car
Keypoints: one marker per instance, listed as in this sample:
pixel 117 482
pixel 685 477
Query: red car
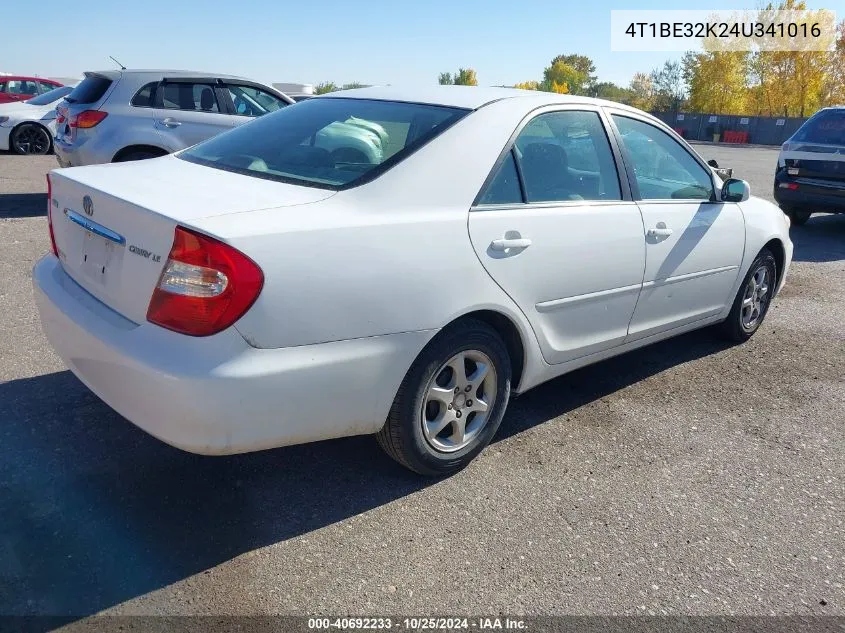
pixel 15 88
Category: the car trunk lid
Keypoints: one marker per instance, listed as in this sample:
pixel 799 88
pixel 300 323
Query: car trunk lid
pixel 114 224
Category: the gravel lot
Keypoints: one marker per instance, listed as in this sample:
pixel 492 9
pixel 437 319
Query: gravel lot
pixel 687 478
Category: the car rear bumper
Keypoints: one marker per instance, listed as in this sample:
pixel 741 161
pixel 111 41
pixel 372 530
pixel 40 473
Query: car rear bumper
pixel 809 195
pixel 79 154
pixel 218 395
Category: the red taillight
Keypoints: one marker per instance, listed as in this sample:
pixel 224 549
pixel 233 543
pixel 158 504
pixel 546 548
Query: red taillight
pixel 88 118
pixel 206 285
pixel 50 216
pixel 792 186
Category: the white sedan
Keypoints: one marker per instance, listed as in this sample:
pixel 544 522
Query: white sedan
pixel 28 127
pixel 253 292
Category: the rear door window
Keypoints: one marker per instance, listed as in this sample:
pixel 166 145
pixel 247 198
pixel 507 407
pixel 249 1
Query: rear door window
pixel 566 156
pixel 827 128
pixel 198 97
pixel 90 90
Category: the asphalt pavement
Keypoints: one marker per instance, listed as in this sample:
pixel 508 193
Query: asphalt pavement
pixel 688 478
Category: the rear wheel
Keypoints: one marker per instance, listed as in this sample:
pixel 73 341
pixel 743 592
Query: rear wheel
pixel 752 299
pixel 32 139
pixel 451 402
pixel 137 155
pixel 798 217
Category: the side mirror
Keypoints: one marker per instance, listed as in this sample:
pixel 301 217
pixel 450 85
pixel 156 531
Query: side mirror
pixel 735 191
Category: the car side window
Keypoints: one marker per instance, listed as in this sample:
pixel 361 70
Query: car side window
pixel 144 97
pixel 187 96
pixel 566 156
pixel 504 188
pixel 663 169
pixel 2 86
pixel 252 101
pixel 23 87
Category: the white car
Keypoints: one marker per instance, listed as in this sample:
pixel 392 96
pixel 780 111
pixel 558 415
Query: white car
pixel 28 127
pixel 252 292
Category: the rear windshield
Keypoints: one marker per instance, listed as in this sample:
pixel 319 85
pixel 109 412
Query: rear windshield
pixel 332 143
pixel 50 97
pixel 90 90
pixel 828 127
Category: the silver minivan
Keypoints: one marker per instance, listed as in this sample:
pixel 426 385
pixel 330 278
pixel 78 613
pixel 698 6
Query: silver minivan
pixel 121 115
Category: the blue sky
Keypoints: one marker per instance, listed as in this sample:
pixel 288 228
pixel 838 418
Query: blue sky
pixel 309 41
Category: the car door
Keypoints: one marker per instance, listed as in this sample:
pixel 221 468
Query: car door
pixel 694 243
pixel 189 111
pixel 556 228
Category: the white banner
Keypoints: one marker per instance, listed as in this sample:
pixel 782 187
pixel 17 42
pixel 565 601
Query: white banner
pixel 722 30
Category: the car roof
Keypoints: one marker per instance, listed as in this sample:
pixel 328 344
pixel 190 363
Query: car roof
pixel 29 78
pixel 469 97
pixel 114 74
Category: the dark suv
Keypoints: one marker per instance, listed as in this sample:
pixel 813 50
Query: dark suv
pixel 810 174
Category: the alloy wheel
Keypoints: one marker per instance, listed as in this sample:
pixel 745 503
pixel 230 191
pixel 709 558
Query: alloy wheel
pixel 755 299
pixel 32 139
pixel 458 401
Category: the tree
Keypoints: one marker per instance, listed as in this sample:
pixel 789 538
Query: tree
pixel 324 87
pixel 562 78
pixel 642 91
pixel 352 85
pixel 833 90
pixel 609 90
pixel 583 65
pixel 668 82
pixel 466 77
pixel 528 85
pixel 717 81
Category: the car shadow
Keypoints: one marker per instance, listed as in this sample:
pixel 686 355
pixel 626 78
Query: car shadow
pixel 95 512
pixel 23 205
pixel 822 239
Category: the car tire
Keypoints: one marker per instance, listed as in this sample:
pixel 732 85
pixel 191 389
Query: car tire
pixel 798 218
pixel 422 404
pixel 31 139
pixel 137 155
pixel 752 300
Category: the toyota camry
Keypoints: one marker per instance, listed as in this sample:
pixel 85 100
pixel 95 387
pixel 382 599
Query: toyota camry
pixel 266 288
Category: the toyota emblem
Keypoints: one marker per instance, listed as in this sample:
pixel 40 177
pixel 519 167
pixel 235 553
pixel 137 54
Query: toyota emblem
pixel 87 205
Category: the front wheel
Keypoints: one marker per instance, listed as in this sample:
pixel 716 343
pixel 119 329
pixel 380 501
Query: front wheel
pixel 752 299
pixel 451 402
pixel 31 139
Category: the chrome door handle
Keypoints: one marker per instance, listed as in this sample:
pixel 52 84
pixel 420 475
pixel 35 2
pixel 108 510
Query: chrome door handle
pixel 170 122
pixel 506 243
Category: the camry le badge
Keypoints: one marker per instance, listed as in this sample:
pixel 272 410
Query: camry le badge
pixel 88 205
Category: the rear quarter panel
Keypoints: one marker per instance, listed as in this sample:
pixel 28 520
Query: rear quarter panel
pixel 389 256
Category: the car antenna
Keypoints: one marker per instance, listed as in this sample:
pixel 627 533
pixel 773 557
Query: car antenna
pixel 122 67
